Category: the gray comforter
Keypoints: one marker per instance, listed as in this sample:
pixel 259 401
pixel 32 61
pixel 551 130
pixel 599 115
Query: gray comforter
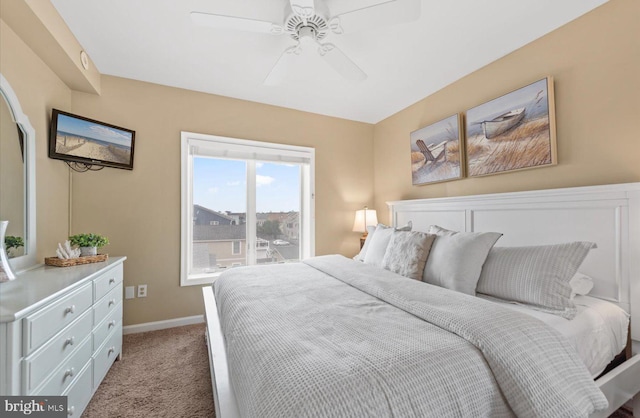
pixel 332 337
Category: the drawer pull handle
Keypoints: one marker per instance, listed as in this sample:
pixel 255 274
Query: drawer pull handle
pixel 112 323
pixel 111 351
pixel 112 280
pixel 111 302
pixel 71 410
pixel 69 373
pixel 68 341
pixel 70 309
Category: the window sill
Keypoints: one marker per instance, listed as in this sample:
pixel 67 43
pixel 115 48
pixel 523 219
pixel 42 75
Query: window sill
pixel 200 279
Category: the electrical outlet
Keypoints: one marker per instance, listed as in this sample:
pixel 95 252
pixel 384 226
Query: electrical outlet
pixel 142 291
pixel 129 292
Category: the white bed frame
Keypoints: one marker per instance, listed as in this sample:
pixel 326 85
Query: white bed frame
pixel 607 215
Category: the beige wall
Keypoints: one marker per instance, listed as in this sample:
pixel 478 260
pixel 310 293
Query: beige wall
pixel 595 61
pixel 39 90
pixel 139 210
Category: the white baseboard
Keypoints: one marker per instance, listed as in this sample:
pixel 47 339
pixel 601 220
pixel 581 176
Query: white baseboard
pixel 157 325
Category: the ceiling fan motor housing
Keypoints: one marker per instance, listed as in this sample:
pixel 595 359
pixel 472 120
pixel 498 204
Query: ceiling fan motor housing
pixel 298 27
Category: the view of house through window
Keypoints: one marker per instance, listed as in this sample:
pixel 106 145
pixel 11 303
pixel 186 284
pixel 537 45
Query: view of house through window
pixel 220 214
pixel 240 207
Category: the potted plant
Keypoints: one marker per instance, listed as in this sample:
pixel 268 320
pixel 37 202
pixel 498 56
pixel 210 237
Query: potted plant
pixel 12 242
pixel 88 243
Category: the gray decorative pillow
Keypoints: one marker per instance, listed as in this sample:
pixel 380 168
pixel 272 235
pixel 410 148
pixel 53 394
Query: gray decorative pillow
pixel 456 258
pixel 407 253
pixel 537 276
pixel 379 242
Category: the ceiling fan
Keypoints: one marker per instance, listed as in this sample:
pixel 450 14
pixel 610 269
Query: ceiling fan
pixel 308 22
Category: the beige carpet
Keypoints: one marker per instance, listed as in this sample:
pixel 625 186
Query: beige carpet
pixel 164 374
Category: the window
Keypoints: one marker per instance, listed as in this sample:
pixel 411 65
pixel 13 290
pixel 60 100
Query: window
pixel 235 247
pixel 261 195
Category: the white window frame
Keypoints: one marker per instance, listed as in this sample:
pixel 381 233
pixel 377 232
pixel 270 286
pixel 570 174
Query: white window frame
pixel 252 151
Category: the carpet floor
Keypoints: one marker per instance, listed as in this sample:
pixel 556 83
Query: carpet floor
pixel 162 374
pixel 165 374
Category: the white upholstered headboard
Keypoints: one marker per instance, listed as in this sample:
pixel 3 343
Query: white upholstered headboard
pixel 607 215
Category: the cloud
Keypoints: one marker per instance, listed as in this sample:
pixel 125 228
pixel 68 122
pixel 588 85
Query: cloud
pixel 107 132
pixel 263 180
pixel 234 183
pixel 213 190
pixel 259 165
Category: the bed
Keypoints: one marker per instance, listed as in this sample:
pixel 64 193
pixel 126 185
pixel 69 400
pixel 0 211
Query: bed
pixel 464 347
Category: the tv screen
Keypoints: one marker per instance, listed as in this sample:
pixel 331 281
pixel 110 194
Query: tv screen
pixel 86 141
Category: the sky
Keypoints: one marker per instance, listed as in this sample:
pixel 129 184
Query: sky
pixel 527 96
pixel 93 130
pixel 446 129
pixel 221 185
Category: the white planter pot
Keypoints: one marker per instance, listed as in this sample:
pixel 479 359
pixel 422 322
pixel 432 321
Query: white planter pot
pixel 88 251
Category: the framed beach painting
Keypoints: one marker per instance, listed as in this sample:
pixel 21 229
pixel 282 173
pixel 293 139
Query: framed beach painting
pixel 513 132
pixel 437 152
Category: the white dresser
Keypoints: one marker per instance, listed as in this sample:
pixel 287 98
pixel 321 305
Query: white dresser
pixel 61 330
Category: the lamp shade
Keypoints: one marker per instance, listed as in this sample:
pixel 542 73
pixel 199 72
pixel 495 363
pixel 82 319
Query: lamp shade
pixel 364 217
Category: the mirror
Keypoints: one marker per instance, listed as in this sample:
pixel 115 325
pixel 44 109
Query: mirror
pixel 12 181
pixel 17 179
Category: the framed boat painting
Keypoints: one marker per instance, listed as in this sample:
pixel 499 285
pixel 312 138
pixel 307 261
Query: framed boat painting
pixel 437 152
pixel 513 132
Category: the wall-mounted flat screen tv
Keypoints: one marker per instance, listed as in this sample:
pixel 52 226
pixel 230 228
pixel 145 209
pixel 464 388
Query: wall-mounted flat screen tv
pixel 77 139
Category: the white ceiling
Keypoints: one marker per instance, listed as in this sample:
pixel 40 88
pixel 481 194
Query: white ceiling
pixel 156 41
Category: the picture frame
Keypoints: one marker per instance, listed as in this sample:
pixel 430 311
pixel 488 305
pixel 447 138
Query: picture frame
pixel 437 152
pixel 77 139
pixel 516 131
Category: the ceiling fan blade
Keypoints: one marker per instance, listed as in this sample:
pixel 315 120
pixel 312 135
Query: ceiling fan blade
pixel 372 17
pixel 281 68
pixel 341 63
pixel 235 23
pixel 303 8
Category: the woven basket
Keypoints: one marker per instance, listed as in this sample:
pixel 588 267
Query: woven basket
pixel 68 262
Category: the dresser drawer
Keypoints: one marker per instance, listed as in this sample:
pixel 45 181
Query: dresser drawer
pixel 107 304
pixel 41 325
pixel 106 354
pixel 66 373
pixel 111 322
pixel 79 393
pixel 106 282
pixel 38 365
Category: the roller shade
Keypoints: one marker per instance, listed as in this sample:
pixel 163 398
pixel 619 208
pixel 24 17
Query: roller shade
pixel 225 148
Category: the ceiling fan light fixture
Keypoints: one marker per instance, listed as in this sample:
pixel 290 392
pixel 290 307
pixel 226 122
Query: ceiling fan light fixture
pixel 307 35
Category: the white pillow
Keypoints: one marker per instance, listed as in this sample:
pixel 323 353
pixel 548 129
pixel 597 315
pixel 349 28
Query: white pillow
pixel 456 258
pixel 360 256
pixel 407 253
pixel 581 284
pixel 379 242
